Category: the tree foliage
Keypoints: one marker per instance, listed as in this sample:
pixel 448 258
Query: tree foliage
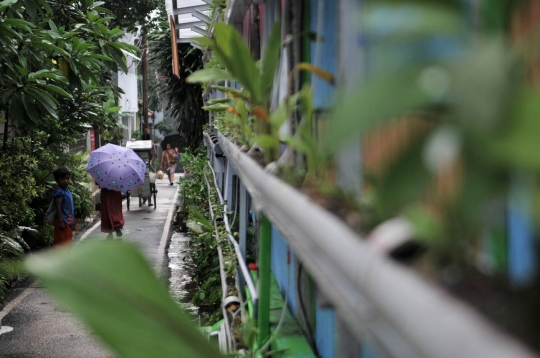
pixel 56 67
pixel 182 98
pixel 129 14
pixel 164 128
pixel 55 82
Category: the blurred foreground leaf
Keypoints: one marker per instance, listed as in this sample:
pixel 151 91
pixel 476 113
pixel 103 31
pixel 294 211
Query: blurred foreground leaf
pixel 112 288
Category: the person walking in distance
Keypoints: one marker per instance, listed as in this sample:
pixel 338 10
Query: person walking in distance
pixel 168 161
pixel 110 208
pixel 65 210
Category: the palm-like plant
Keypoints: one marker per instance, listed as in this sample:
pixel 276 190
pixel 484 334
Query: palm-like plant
pixel 184 100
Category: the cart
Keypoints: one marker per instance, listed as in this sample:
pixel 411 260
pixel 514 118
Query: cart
pixel 143 148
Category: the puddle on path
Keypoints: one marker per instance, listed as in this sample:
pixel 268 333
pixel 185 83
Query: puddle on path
pixel 180 284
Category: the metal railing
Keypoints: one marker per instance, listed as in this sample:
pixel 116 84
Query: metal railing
pixel 241 260
pixel 243 270
pixel 371 294
pixel 226 341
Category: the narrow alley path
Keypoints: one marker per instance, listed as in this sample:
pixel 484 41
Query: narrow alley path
pixel 41 329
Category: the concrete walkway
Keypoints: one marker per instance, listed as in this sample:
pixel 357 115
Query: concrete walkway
pixel 34 326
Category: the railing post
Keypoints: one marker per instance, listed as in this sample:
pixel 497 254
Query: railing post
pixel 243 208
pixel 242 227
pixel 265 243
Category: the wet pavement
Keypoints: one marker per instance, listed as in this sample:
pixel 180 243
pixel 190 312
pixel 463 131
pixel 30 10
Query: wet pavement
pixel 36 327
pixel 180 284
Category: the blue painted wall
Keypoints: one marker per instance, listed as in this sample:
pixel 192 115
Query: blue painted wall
pixel 325 331
pixel 324 93
pixel 281 270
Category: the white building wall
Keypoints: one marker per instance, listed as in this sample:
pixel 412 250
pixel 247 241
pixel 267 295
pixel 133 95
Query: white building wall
pixel 128 81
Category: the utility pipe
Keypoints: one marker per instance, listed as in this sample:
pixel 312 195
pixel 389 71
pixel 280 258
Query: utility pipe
pixel 241 260
pixel 370 293
pixel 228 335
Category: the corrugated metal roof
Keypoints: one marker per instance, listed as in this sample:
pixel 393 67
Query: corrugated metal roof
pixel 190 17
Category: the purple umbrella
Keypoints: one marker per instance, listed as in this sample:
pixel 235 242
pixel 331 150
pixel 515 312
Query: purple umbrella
pixel 116 168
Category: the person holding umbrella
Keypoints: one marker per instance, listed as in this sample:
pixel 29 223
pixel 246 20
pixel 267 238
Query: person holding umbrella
pixel 112 217
pixel 168 161
pixel 115 169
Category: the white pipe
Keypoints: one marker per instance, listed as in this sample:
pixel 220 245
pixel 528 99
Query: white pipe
pixel 240 258
pixel 228 336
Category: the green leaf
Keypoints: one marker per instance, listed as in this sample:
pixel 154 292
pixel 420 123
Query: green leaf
pixel 17 23
pixel 217 107
pixel 268 142
pixel 406 181
pixel 201 219
pixel 45 5
pixel 209 75
pixel 101 57
pixel 4 97
pixel 23 71
pixel 425 223
pixel 236 56
pixel 220 100
pixel 298 144
pixel 518 146
pixel 204 41
pixel 380 99
pixel 45 99
pixel 47 74
pixel 30 7
pixel 113 109
pixel 53 27
pixel 120 60
pixel 16 110
pixel 126 47
pixel 111 287
pixel 6 3
pixel 229 90
pixel 279 116
pixel 57 90
pixel 47 45
pixel 30 108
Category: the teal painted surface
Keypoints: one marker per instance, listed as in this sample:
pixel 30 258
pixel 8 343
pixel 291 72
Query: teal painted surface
pixel 289 341
pixel 324 54
pixel 389 50
pixel 284 273
pixel 367 352
pixel 325 331
pixel 522 244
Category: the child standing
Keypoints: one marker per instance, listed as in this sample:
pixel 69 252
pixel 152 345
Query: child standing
pixel 65 211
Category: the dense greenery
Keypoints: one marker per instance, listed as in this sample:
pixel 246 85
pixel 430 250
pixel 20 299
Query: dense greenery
pixel 183 99
pixel 128 14
pixel 164 128
pixel 55 68
pixel 194 216
pixel 55 82
pixel 201 215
